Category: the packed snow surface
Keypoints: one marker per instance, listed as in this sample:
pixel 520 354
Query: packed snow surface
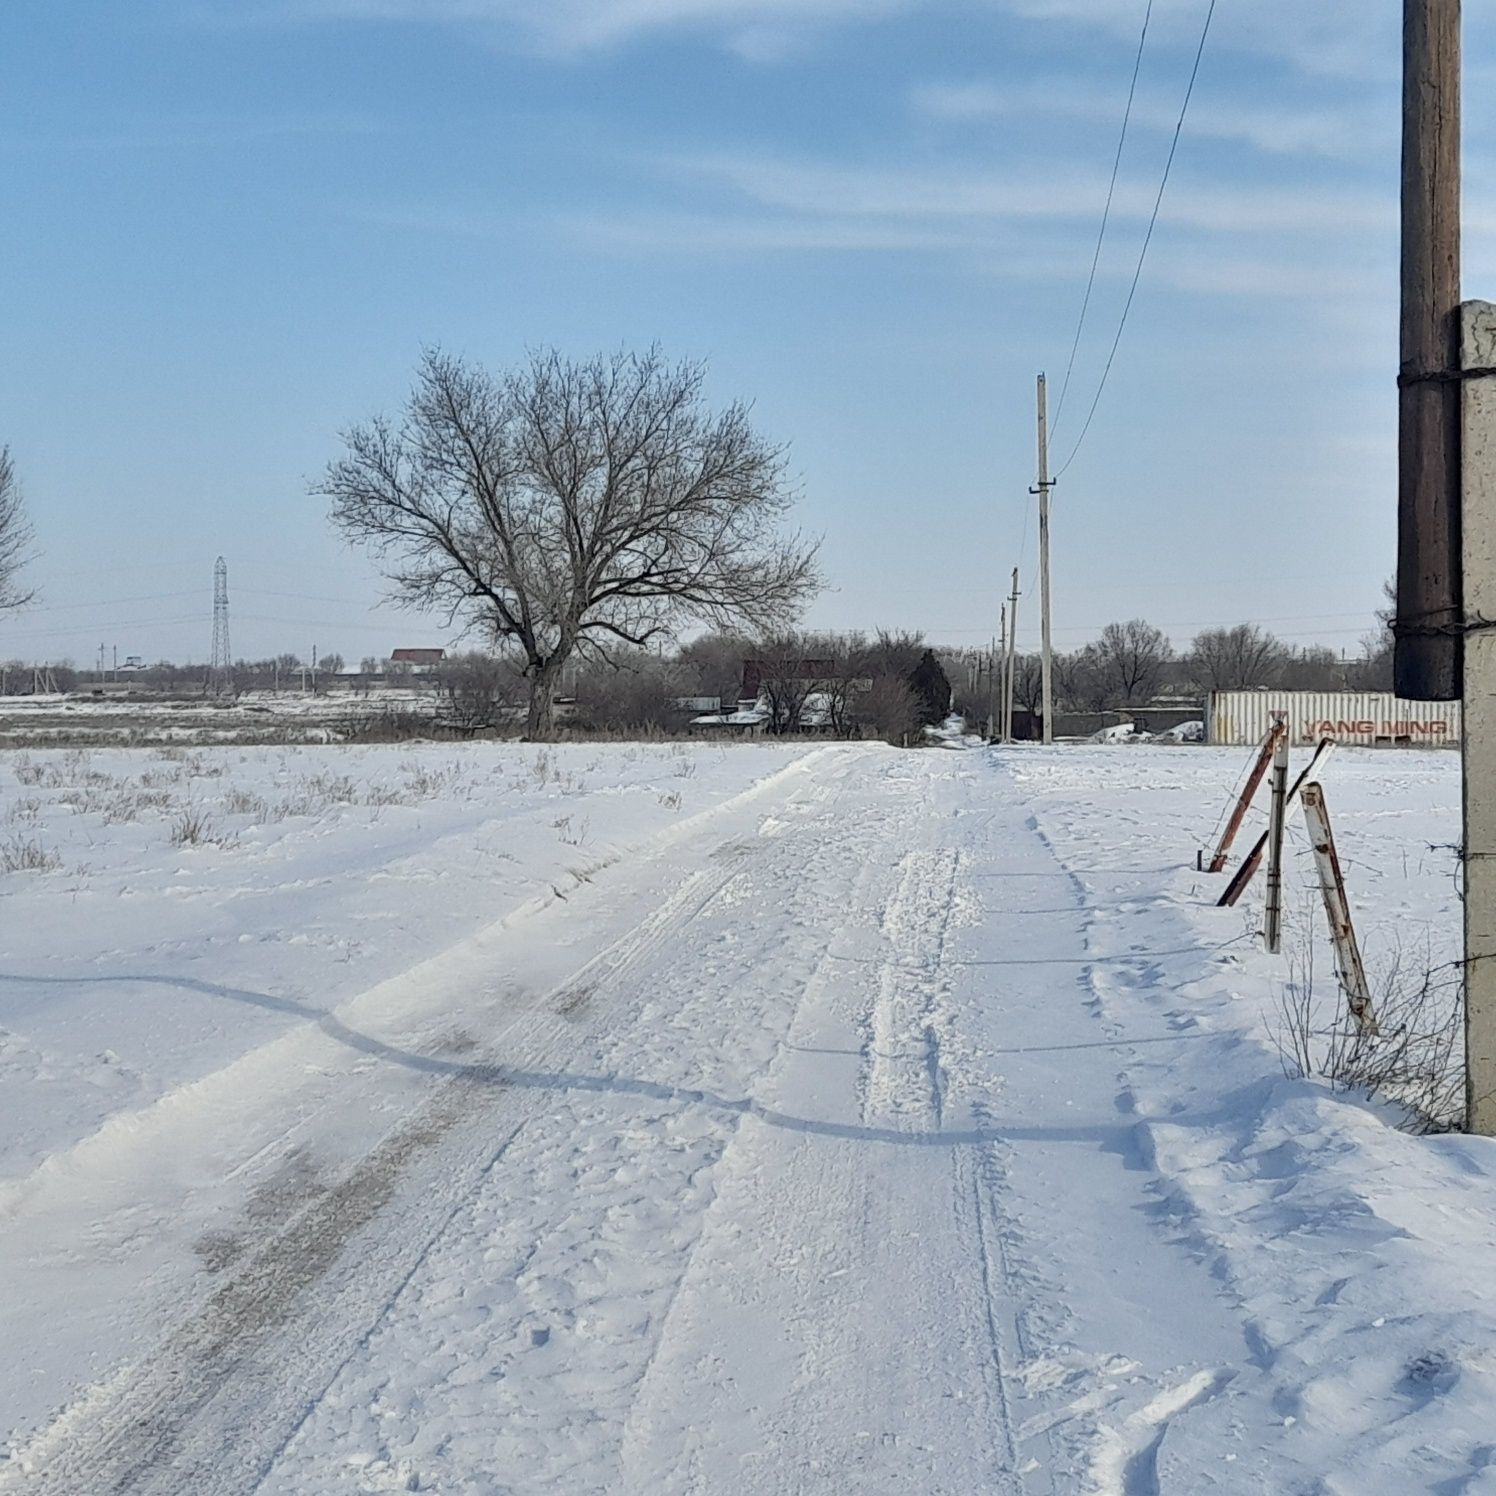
pixel 712 1120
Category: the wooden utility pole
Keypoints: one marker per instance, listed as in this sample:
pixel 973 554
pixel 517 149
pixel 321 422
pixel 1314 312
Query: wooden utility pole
pixel 1012 661
pixel 1429 594
pixel 1044 485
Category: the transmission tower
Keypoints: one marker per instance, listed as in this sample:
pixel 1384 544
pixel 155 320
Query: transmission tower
pixel 220 673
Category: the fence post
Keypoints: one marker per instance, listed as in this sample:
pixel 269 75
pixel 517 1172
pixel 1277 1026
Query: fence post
pixel 1243 804
pixel 1253 860
pixel 1272 919
pixel 1348 965
pixel 1478 751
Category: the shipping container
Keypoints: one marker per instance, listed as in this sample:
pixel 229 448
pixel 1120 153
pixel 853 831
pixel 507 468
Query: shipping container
pixel 1369 718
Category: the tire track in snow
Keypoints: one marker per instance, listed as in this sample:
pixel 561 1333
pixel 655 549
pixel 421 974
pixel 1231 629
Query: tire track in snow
pixel 613 1181
pixel 811 990
pixel 904 1082
pixel 774 1378
pixel 210 1408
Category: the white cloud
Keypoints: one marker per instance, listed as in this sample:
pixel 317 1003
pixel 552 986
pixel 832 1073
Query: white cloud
pixel 1350 38
pixel 755 28
pixel 1346 37
pixel 1340 133
pixel 817 188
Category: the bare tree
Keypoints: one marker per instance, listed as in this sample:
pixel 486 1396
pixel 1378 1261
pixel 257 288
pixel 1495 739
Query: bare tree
pixel 712 665
pixel 1028 683
pixel 567 506
pixel 790 673
pixel 1235 659
pixel 1080 682
pixel 1373 671
pixel 1313 667
pixel 16 537
pixel 843 678
pixel 634 691
pixel 894 652
pixel 475 690
pixel 1129 661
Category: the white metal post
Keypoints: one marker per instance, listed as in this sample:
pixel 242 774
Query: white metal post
pixel 1348 965
pixel 1272 920
pixel 1478 546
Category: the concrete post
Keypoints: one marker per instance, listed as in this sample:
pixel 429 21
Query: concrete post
pixel 1478 545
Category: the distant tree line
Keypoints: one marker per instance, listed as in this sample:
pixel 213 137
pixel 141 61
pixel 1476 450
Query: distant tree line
pixel 1132 664
pixel 885 685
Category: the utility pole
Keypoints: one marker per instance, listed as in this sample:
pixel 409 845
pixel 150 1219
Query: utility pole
pixel 1010 669
pixel 1044 485
pixel 1478 741
pixel 1430 611
pixel 1446 532
pixel 994 727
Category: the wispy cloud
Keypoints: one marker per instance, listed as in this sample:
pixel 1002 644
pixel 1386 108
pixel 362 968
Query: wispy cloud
pixel 1219 240
pixel 1338 133
pixel 1347 38
pixel 913 193
pixel 755 28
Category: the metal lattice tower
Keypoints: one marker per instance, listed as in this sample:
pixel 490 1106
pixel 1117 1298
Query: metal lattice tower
pixel 220 662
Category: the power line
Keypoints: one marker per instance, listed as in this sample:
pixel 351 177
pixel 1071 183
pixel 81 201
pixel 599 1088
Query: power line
pixel 83 630
pixel 1105 216
pixel 112 602
pixel 315 597
pixel 1137 274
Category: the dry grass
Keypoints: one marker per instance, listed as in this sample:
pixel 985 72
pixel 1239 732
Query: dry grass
pixel 26 810
pixel 573 835
pixel 193 827
pixel 26 855
pixel 1416 1059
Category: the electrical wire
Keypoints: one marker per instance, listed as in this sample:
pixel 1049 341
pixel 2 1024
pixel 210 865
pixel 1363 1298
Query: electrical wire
pixel 1137 274
pixel 1106 214
pixel 112 602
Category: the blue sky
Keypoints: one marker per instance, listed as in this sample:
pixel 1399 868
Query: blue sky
pixel 231 225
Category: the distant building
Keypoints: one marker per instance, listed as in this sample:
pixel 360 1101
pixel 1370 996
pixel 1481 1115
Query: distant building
pixel 754 672
pixel 419 659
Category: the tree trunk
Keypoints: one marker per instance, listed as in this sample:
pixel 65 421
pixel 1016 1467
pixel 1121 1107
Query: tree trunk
pixel 540 722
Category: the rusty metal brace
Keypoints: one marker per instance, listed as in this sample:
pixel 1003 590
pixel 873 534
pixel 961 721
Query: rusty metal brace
pixel 1348 965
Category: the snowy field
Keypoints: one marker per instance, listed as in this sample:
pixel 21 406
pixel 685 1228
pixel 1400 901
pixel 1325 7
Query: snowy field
pixel 681 1119
pixel 135 720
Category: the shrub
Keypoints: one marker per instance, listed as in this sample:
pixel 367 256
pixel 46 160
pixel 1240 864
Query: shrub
pixel 1415 1060
pixel 192 827
pixel 21 855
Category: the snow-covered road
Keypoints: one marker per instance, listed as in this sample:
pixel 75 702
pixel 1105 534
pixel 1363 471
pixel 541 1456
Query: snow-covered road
pixel 905 1124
